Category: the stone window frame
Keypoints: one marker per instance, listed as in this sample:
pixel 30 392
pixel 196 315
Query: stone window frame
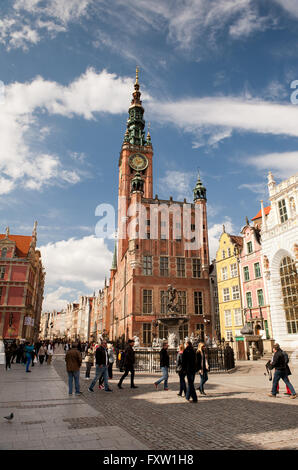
pixel 246 298
pixel 164 271
pixel 226 296
pixel 198 305
pixel 249 247
pixel 148 267
pixel 238 316
pixel 246 271
pixel 196 268
pixel 228 317
pixel 234 272
pixel 182 295
pixel 180 272
pixel 147 332
pixel 2 271
pixel 224 273
pixel 255 271
pixel 282 210
pixel 147 304
pixel 262 298
pixel 236 293
pixel 164 297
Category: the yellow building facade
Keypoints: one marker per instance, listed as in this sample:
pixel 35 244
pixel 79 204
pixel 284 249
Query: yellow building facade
pixel 229 288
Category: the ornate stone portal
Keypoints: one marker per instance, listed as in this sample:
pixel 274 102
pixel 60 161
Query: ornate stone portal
pixel 173 319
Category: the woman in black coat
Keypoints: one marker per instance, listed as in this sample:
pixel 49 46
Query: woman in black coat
pixel 189 366
pixel 202 366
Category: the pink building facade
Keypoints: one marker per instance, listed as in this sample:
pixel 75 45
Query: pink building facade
pixel 255 303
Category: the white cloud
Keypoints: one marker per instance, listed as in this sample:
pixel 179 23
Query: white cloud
pixel 20 162
pixel 86 260
pixel 215 232
pixel 58 298
pixel 237 113
pixel 257 188
pixel 291 6
pixel 179 184
pixel 284 164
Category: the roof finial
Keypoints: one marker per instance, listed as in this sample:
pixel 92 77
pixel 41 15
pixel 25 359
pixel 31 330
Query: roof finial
pixel 137 74
pixel 7 232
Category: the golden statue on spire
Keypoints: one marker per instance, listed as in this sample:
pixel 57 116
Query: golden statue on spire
pixel 137 74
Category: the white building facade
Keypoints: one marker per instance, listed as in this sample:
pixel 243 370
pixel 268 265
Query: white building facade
pixel 279 234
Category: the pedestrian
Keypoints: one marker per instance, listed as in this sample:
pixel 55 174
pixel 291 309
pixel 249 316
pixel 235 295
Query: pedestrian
pixel 89 360
pixel 28 353
pixel 50 351
pixel 102 362
pixel 13 351
pixel 41 354
pixel 33 354
pixel 189 366
pixel 8 356
pixel 202 367
pixel 180 371
pixel 73 361
pixel 279 364
pixel 164 365
pixel 111 360
pixel 128 364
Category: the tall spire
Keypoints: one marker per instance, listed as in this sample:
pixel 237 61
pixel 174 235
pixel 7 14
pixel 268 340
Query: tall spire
pixel 135 134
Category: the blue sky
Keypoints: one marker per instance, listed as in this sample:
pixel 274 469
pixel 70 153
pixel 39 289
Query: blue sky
pixel 215 79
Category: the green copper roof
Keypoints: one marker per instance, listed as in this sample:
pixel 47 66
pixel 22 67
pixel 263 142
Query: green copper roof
pixel 200 190
pixel 135 133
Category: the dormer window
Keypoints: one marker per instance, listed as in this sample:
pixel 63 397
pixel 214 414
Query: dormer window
pixel 282 210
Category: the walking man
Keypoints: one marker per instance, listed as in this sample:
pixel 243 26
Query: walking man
pixel 29 348
pixel 129 361
pixel 73 361
pixel 102 363
pixel 189 366
pixel 164 365
pixel 279 364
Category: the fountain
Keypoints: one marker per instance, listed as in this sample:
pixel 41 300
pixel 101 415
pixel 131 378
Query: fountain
pixel 173 319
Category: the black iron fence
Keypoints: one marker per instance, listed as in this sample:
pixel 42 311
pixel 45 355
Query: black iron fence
pixel 219 359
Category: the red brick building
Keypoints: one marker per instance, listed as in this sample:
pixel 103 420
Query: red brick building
pixel 154 249
pixel 21 286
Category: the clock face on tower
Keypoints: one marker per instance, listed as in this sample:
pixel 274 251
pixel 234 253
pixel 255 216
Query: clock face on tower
pixel 138 161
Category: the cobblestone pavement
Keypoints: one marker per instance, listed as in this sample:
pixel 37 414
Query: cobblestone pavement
pixel 235 414
pixel 47 418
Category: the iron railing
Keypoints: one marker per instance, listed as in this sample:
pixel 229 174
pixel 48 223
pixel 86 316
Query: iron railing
pixel 219 359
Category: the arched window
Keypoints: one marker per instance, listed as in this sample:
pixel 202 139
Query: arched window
pixel 289 280
pixel 3 252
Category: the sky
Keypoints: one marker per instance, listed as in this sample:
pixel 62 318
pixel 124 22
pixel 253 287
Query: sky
pixel 217 82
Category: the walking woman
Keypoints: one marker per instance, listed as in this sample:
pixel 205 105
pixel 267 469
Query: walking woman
pixel 89 359
pixel 50 353
pixel 180 371
pixel 164 365
pixel 41 354
pixel 202 366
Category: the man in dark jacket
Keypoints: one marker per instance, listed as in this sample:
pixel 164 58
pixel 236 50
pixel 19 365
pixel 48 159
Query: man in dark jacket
pixel 128 363
pixel 73 361
pixel 102 363
pixel 189 366
pixel 164 365
pixel 279 364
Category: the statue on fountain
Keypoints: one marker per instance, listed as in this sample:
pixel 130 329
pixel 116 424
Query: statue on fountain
pixel 137 341
pixel 173 300
pixel 172 341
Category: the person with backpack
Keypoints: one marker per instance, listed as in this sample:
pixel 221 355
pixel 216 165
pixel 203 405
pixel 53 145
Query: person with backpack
pixel 281 371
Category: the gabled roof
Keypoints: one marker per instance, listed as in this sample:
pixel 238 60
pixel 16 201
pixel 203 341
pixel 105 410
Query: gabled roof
pixel 259 214
pixel 237 240
pixel 22 243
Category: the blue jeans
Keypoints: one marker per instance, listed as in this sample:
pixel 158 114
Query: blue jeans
pixel 165 376
pixel 74 376
pixel 99 371
pixel 281 374
pixel 28 359
pixel 204 378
